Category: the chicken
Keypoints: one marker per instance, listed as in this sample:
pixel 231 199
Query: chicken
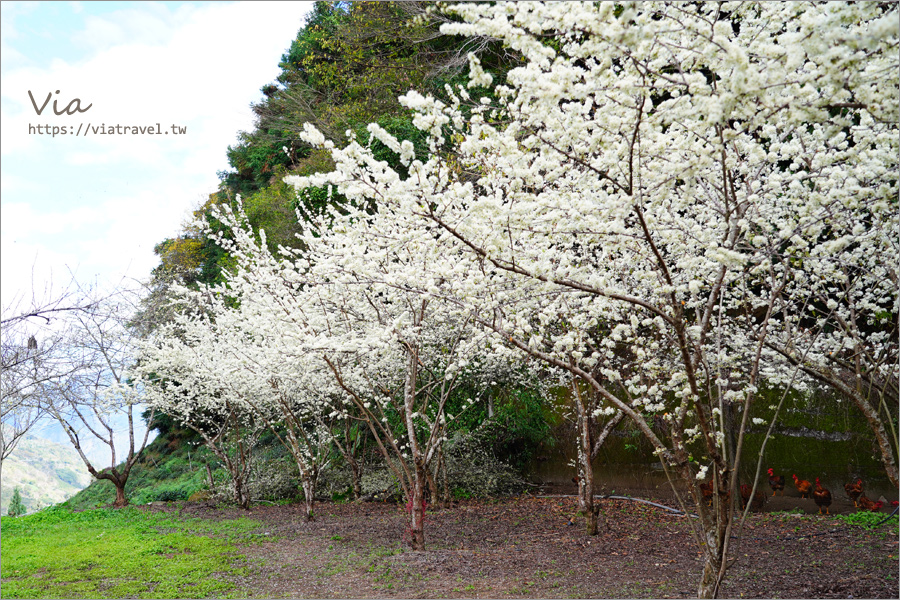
pixel 822 497
pixel 866 504
pixel 854 490
pixel 776 482
pixel 759 499
pixel 803 486
pixel 707 490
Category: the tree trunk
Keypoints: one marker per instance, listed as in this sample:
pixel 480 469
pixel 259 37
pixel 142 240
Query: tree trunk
pixel 579 480
pixel 433 496
pixel 445 482
pixel 881 437
pixel 590 508
pixel 120 494
pixel 356 483
pixel 585 467
pixel 869 412
pixel 309 497
pixel 241 497
pixel 709 581
pixel 445 485
pixel 716 532
pixel 417 510
pixel 731 426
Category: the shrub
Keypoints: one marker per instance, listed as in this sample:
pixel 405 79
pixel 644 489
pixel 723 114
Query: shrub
pixel 335 482
pixel 274 479
pixel 380 481
pixel 171 495
pixel 270 479
pixel 166 493
pixel 200 496
pixel 474 471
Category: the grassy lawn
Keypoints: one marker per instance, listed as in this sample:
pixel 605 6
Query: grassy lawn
pixel 106 553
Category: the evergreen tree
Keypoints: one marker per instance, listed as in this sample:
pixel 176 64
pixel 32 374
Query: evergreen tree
pixel 16 506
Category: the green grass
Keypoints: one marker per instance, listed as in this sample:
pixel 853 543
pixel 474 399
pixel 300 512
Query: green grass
pixel 107 553
pixel 868 520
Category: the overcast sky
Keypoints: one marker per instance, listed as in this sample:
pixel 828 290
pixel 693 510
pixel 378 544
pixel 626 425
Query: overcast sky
pixel 98 204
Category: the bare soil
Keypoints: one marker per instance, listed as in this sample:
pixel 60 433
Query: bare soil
pixel 536 547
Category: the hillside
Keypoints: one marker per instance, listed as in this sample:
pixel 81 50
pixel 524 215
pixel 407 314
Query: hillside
pixel 45 472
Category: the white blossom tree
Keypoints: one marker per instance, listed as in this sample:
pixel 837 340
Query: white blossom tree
pixel 182 369
pixel 366 300
pixel 655 172
pixel 235 366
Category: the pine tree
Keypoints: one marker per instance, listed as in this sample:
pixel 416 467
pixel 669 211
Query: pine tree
pixel 16 506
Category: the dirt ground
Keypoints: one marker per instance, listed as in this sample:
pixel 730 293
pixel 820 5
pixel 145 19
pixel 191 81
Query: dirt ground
pixel 527 548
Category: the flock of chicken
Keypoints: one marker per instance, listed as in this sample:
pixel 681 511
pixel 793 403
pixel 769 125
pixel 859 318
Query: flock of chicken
pixel 819 494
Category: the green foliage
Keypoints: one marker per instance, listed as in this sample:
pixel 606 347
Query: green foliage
pixel 462 494
pixel 171 493
pixel 522 424
pixel 180 258
pixel 271 209
pixel 257 162
pixel 401 126
pixel 173 468
pixel 121 553
pixel 868 520
pixel 356 58
pixel 380 481
pixel 336 481
pixel 345 69
pixel 16 506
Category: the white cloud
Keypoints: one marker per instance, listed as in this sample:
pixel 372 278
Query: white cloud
pixel 12 184
pixel 190 73
pixel 103 202
pixel 146 23
pixel 21 221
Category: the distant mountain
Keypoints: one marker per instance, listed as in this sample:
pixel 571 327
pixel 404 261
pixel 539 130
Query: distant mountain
pixel 45 472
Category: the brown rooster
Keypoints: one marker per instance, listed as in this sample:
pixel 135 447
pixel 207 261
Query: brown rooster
pixel 871 505
pixel 776 482
pixel 803 486
pixel 822 497
pixel 854 490
pixel 759 499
